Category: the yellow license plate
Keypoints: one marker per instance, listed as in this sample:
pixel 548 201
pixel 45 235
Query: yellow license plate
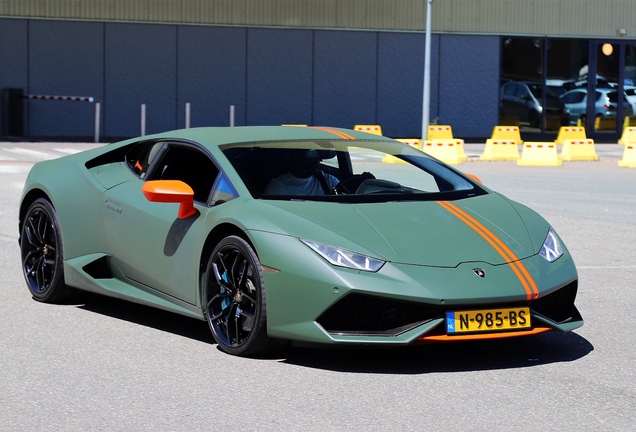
pixel 487 320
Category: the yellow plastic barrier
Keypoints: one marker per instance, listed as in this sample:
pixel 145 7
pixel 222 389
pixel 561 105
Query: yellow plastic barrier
pixel 509 121
pixel 629 157
pixel 506 133
pixel 443 135
pixel 450 151
pixel 392 159
pixel 629 121
pixel 570 132
pixel 552 123
pixel 605 123
pixel 539 154
pixel 413 142
pixel 581 123
pixel 439 132
pixel 578 150
pixel 498 150
pixel 372 129
pixel 629 136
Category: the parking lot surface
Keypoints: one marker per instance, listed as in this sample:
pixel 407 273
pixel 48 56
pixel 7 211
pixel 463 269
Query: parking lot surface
pixel 103 364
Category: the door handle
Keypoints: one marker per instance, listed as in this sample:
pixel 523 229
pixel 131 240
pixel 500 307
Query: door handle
pixel 111 205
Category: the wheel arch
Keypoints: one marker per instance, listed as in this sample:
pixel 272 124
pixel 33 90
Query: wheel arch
pixel 217 234
pixel 28 199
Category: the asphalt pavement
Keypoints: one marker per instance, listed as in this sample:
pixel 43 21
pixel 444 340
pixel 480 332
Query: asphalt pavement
pixel 101 364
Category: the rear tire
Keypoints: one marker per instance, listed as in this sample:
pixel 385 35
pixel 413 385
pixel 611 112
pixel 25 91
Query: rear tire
pixel 42 255
pixel 235 299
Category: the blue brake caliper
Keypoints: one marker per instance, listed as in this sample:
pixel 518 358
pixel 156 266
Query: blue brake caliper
pixel 226 301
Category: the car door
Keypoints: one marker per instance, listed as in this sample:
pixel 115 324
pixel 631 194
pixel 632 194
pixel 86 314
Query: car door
pixel 149 243
pixel 508 99
pixel 522 103
pixel 576 102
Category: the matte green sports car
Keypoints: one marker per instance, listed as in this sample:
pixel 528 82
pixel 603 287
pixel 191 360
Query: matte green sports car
pixel 276 234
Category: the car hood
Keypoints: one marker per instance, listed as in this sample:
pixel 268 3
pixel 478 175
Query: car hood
pixel 420 233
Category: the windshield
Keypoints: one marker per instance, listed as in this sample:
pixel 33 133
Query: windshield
pixel 345 171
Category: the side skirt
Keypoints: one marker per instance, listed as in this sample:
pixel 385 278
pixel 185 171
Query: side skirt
pixel 110 281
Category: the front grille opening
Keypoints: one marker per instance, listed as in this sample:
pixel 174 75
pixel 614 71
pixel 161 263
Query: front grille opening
pixel 559 305
pixel 365 315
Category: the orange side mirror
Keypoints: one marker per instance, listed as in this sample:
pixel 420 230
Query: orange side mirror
pixel 171 191
pixel 474 177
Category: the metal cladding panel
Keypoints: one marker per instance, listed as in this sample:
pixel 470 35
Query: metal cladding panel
pixel 584 18
pixel 211 74
pixel 15 65
pixel 14 55
pixel 469 81
pixel 345 78
pixel 401 83
pixel 279 72
pixel 58 51
pixel 140 67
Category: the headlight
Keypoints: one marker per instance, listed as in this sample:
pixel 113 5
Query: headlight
pixel 551 249
pixel 345 258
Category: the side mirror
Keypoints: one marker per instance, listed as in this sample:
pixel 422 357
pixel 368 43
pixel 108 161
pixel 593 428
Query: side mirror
pixel 171 191
pixel 474 177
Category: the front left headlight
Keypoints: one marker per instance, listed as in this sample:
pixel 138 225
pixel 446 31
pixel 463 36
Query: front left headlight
pixel 344 258
pixel 551 249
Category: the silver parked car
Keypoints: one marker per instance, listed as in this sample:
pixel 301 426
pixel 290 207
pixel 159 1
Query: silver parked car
pixel 523 100
pixel 605 106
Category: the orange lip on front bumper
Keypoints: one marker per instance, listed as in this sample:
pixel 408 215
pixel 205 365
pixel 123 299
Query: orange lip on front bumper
pixel 446 338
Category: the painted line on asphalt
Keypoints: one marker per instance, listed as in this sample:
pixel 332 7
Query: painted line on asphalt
pixel 68 150
pixel 29 152
pixel 606 267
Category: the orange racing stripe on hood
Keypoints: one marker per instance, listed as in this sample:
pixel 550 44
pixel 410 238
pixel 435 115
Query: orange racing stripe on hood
pixel 520 270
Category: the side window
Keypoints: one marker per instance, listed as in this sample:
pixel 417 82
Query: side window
pixel 224 191
pixel 191 166
pixel 141 156
pixel 522 91
pixel 578 97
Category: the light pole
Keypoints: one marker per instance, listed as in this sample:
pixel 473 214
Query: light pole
pixel 427 72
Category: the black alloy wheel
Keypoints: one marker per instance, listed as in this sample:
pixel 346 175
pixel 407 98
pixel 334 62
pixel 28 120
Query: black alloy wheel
pixel 41 252
pixel 235 299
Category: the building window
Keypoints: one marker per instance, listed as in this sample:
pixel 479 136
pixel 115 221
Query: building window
pixel 535 74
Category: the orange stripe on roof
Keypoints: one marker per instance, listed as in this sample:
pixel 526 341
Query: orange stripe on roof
pixel 335 132
pixel 498 245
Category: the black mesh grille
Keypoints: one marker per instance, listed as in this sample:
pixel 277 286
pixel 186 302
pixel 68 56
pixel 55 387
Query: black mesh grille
pixel 369 315
pixel 559 305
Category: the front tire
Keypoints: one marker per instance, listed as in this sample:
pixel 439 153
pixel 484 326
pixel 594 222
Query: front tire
pixel 534 119
pixel 41 252
pixel 235 299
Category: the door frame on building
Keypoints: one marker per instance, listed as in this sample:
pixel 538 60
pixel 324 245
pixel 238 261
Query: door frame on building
pixel 595 44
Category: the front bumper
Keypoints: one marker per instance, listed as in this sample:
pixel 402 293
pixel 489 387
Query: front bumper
pixel 310 300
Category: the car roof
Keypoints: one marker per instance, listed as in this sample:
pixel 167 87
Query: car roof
pixel 213 137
